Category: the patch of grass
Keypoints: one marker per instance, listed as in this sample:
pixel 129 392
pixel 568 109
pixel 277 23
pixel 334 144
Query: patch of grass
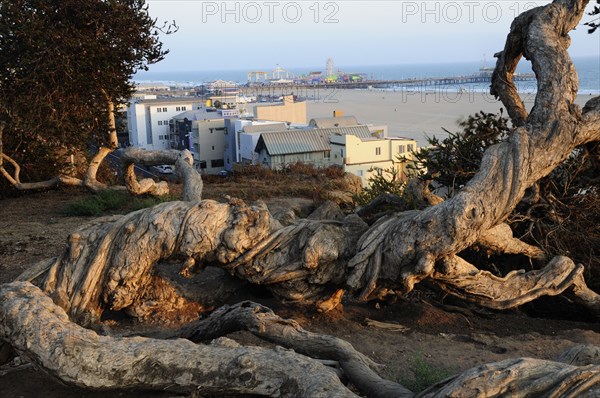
pixel 108 201
pixel 112 200
pixel 149 201
pixel 424 375
pixel 82 208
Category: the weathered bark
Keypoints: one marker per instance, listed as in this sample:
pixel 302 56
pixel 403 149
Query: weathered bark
pixel 113 143
pixel 183 161
pixel 42 332
pixel 192 180
pixel 109 264
pixel 581 355
pixel 518 287
pixel 15 178
pixel 407 248
pixel 262 322
pixel 520 377
pixel 135 156
pixel 500 240
pixel 129 157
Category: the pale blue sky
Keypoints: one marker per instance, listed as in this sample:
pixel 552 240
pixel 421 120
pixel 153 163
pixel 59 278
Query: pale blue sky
pixel 258 35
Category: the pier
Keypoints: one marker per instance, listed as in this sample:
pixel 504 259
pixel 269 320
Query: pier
pixel 414 82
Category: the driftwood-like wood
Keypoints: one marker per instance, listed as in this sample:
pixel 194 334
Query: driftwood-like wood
pixel 520 378
pixel 110 264
pixel 42 332
pixel 131 156
pixel 262 322
pixel 183 161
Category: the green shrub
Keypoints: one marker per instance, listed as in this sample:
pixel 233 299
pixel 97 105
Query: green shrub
pixel 108 201
pixel 424 375
pixel 386 181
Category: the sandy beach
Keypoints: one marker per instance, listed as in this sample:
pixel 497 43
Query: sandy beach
pixel 409 113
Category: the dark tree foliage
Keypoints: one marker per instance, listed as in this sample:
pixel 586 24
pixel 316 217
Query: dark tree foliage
pixel 60 63
pixel 453 161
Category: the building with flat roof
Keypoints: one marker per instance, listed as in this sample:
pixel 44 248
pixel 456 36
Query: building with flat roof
pixel 330 122
pixel 204 132
pixel 289 111
pixel 366 156
pixel 148 120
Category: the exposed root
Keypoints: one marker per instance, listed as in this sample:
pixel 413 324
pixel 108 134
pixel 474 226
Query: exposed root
pixel 42 332
pixel 462 279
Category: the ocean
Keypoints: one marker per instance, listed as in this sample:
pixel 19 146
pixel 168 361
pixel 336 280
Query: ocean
pixel 588 69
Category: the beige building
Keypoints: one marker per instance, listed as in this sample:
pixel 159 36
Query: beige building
pixel 365 156
pixel 288 112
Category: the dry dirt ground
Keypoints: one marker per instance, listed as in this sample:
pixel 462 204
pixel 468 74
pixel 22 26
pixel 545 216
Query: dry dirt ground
pixel 439 339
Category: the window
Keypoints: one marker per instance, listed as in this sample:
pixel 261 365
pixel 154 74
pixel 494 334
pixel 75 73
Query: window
pixel 160 122
pixel 213 147
pixel 177 108
pixel 166 122
pixel 378 151
pixel 158 109
pixel 326 154
pixel 410 147
pixel 359 173
pixel 401 149
pixel 164 109
pixel 217 163
pixel 183 108
pixel 306 157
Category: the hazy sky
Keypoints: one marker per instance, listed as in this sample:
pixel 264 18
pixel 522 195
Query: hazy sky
pixel 257 35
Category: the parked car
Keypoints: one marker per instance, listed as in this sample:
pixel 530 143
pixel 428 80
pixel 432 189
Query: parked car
pixel 165 169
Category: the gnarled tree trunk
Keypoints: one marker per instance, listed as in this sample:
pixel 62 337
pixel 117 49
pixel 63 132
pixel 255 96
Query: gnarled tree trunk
pixel 109 265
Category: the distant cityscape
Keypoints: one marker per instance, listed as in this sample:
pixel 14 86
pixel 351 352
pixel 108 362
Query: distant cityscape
pixel 227 124
pixel 225 129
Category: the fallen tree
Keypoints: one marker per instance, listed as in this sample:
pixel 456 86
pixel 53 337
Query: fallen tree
pixel 109 265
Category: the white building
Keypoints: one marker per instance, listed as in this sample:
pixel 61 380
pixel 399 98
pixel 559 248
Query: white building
pixel 205 133
pixel 237 127
pixel 148 120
